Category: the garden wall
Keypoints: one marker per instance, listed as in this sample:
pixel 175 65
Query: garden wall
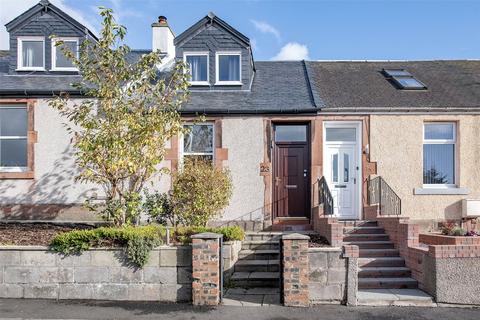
pixel 97 274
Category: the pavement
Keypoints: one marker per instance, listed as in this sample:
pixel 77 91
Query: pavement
pixel 52 309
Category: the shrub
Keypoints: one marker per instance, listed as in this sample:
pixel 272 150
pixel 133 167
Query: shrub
pixel 137 241
pixel 457 232
pixel 183 234
pixel 447 227
pixel 200 191
pixel 158 207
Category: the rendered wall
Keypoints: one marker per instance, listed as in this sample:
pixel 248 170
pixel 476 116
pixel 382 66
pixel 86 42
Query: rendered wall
pixel 33 272
pixel 243 137
pixel 396 144
pixel 53 192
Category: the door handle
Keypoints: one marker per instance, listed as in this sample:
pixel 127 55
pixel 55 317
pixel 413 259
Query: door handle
pixel 305 172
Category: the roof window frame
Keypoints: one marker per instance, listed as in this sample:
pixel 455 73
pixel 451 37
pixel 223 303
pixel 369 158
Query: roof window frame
pixel 403 74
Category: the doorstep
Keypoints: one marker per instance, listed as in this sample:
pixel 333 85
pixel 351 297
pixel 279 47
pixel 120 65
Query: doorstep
pixel 394 297
pixel 251 297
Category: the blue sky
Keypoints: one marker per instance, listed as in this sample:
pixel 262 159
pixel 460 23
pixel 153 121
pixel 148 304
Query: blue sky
pixel 329 30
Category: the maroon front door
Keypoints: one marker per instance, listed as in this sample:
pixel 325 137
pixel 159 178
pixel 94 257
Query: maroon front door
pixel 291 174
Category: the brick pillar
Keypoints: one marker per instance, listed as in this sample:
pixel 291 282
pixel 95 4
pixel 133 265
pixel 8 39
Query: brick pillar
pixel 206 285
pixel 295 270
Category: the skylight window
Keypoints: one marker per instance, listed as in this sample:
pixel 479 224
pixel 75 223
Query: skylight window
pixel 403 79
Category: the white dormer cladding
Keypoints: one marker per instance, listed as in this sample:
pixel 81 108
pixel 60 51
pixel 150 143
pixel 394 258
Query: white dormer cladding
pixel 162 40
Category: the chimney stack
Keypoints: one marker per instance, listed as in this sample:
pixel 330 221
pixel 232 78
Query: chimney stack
pixel 162 38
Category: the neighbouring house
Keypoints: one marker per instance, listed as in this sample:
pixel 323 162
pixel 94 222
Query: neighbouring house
pixel 287 130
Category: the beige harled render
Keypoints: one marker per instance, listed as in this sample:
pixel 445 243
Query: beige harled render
pixel 396 144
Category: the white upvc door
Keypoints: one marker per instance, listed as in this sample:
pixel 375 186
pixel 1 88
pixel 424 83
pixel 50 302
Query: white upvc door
pixel 342 167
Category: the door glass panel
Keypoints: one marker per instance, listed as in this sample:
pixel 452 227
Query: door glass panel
pixel 346 167
pixel 335 168
pixel 291 133
pixel 340 134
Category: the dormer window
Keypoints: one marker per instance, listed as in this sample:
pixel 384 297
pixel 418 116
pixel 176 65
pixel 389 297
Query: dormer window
pixel 59 61
pixel 228 68
pixel 198 66
pixel 31 53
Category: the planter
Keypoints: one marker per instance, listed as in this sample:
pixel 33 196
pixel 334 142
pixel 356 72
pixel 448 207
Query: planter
pixel 440 239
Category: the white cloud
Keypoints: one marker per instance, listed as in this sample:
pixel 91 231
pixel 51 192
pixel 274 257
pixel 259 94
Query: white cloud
pixel 264 27
pixel 13 8
pixel 292 51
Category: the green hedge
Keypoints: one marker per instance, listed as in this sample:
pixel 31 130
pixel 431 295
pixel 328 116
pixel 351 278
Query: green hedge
pixel 183 234
pixel 137 241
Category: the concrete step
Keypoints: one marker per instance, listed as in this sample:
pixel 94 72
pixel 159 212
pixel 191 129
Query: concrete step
pixel 372 244
pixel 359 223
pixel 367 253
pixel 255 279
pixel 387 283
pixel 381 262
pixel 394 297
pixel 365 237
pixel 384 272
pixel 363 230
pixel 258 254
pixel 266 236
pixel 257 266
pixel 261 245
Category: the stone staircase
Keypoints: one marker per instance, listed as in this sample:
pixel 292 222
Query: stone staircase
pixel 380 264
pixel 259 261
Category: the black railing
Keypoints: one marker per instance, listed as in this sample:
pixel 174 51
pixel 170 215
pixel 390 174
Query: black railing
pixel 381 194
pixel 325 197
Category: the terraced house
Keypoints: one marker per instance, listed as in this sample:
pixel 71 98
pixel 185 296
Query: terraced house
pixel 310 144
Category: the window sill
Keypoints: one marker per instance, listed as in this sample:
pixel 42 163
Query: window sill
pixel 17 175
pixel 30 69
pixel 228 83
pixel 441 191
pixel 65 69
pixel 199 83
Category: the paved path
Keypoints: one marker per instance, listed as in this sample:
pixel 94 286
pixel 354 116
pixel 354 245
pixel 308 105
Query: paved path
pixel 50 309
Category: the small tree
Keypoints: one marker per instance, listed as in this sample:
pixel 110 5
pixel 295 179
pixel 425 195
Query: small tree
pixel 120 130
pixel 200 191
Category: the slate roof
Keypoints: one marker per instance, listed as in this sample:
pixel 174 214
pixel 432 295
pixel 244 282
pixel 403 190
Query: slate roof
pixel 452 85
pixel 278 87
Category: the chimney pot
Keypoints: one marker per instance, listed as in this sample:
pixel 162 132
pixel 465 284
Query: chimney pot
pixel 162 19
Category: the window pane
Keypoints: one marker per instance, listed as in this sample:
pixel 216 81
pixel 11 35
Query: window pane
pixel 198 67
pixel 440 131
pixel 438 164
pixel 32 52
pixel 335 168
pixel 229 66
pixel 340 134
pixel 13 153
pixel 291 133
pixel 194 158
pixel 411 83
pixel 346 168
pixel 13 121
pixel 61 60
pixel 199 139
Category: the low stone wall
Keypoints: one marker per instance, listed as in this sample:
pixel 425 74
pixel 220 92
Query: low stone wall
pixel 327 275
pixel 230 252
pixel 333 275
pixel 97 274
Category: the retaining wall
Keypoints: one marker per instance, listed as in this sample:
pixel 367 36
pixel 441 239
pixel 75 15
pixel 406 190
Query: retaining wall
pixel 97 274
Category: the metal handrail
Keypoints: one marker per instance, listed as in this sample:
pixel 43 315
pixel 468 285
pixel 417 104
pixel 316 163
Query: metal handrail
pixel 325 196
pixel 381 194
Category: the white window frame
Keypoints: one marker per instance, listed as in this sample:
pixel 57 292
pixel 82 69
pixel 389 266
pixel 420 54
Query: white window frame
pixel 199 53
pixel 217 69
pixel 182 150
pixel 20 66
pixel 54 53
pixel 442 141
pixel 16 169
